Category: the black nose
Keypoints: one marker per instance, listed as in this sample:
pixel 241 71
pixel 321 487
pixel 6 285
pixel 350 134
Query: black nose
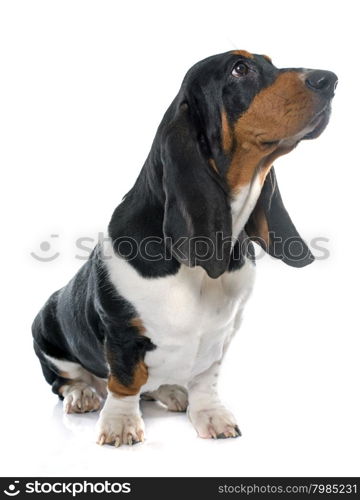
pixel 322 81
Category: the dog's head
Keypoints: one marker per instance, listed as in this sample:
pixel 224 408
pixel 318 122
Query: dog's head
pixel 234 115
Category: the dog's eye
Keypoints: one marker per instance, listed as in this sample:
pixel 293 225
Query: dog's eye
pixel 240 69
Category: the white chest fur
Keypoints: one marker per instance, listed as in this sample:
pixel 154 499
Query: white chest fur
pixel 243 204
pixel 188 316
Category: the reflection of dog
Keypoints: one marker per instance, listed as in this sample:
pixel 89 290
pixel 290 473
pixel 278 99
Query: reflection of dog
pixel 158 326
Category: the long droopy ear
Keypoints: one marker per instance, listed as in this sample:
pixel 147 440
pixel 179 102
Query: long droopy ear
pixel 270 226
pixel 197 221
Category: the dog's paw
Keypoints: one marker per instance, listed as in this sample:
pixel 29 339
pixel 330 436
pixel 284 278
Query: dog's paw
pixel 80 398
pixel 173 396
pixel 122 429
pixel 217 423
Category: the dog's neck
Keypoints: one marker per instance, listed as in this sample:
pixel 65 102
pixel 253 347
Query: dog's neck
pixel 243 203
pixel 147 198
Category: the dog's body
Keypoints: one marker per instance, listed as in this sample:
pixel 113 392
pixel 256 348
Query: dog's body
pixel 154 309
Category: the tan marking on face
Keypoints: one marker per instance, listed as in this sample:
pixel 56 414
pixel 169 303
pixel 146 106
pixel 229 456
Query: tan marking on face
pixel 140 377
pixel 280 111
pixel 267 58
pixel 213 165
pixel 138 324
pixel 243 53
pixel 227 137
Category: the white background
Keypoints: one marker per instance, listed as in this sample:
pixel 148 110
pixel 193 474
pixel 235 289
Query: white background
pixel 84 85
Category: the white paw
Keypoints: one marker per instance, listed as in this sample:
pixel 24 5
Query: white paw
pixel 173 396
pixel 217 423
pixel 80 398
pixel 120 429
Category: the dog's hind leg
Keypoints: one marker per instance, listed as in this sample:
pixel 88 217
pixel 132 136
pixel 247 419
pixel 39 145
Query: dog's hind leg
pixel 81 391
pixel 79 397
pixel 174 397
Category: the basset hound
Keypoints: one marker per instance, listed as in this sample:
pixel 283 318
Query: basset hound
pixel 154 309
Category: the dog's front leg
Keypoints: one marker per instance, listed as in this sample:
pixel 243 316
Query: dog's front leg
pixel 120 420
pixel 206 412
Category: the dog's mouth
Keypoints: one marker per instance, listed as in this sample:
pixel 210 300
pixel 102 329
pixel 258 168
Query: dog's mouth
pixel 318 123
pixel 313 129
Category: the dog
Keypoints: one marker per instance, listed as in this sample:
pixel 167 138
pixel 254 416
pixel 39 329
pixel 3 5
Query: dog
pixel 154 309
